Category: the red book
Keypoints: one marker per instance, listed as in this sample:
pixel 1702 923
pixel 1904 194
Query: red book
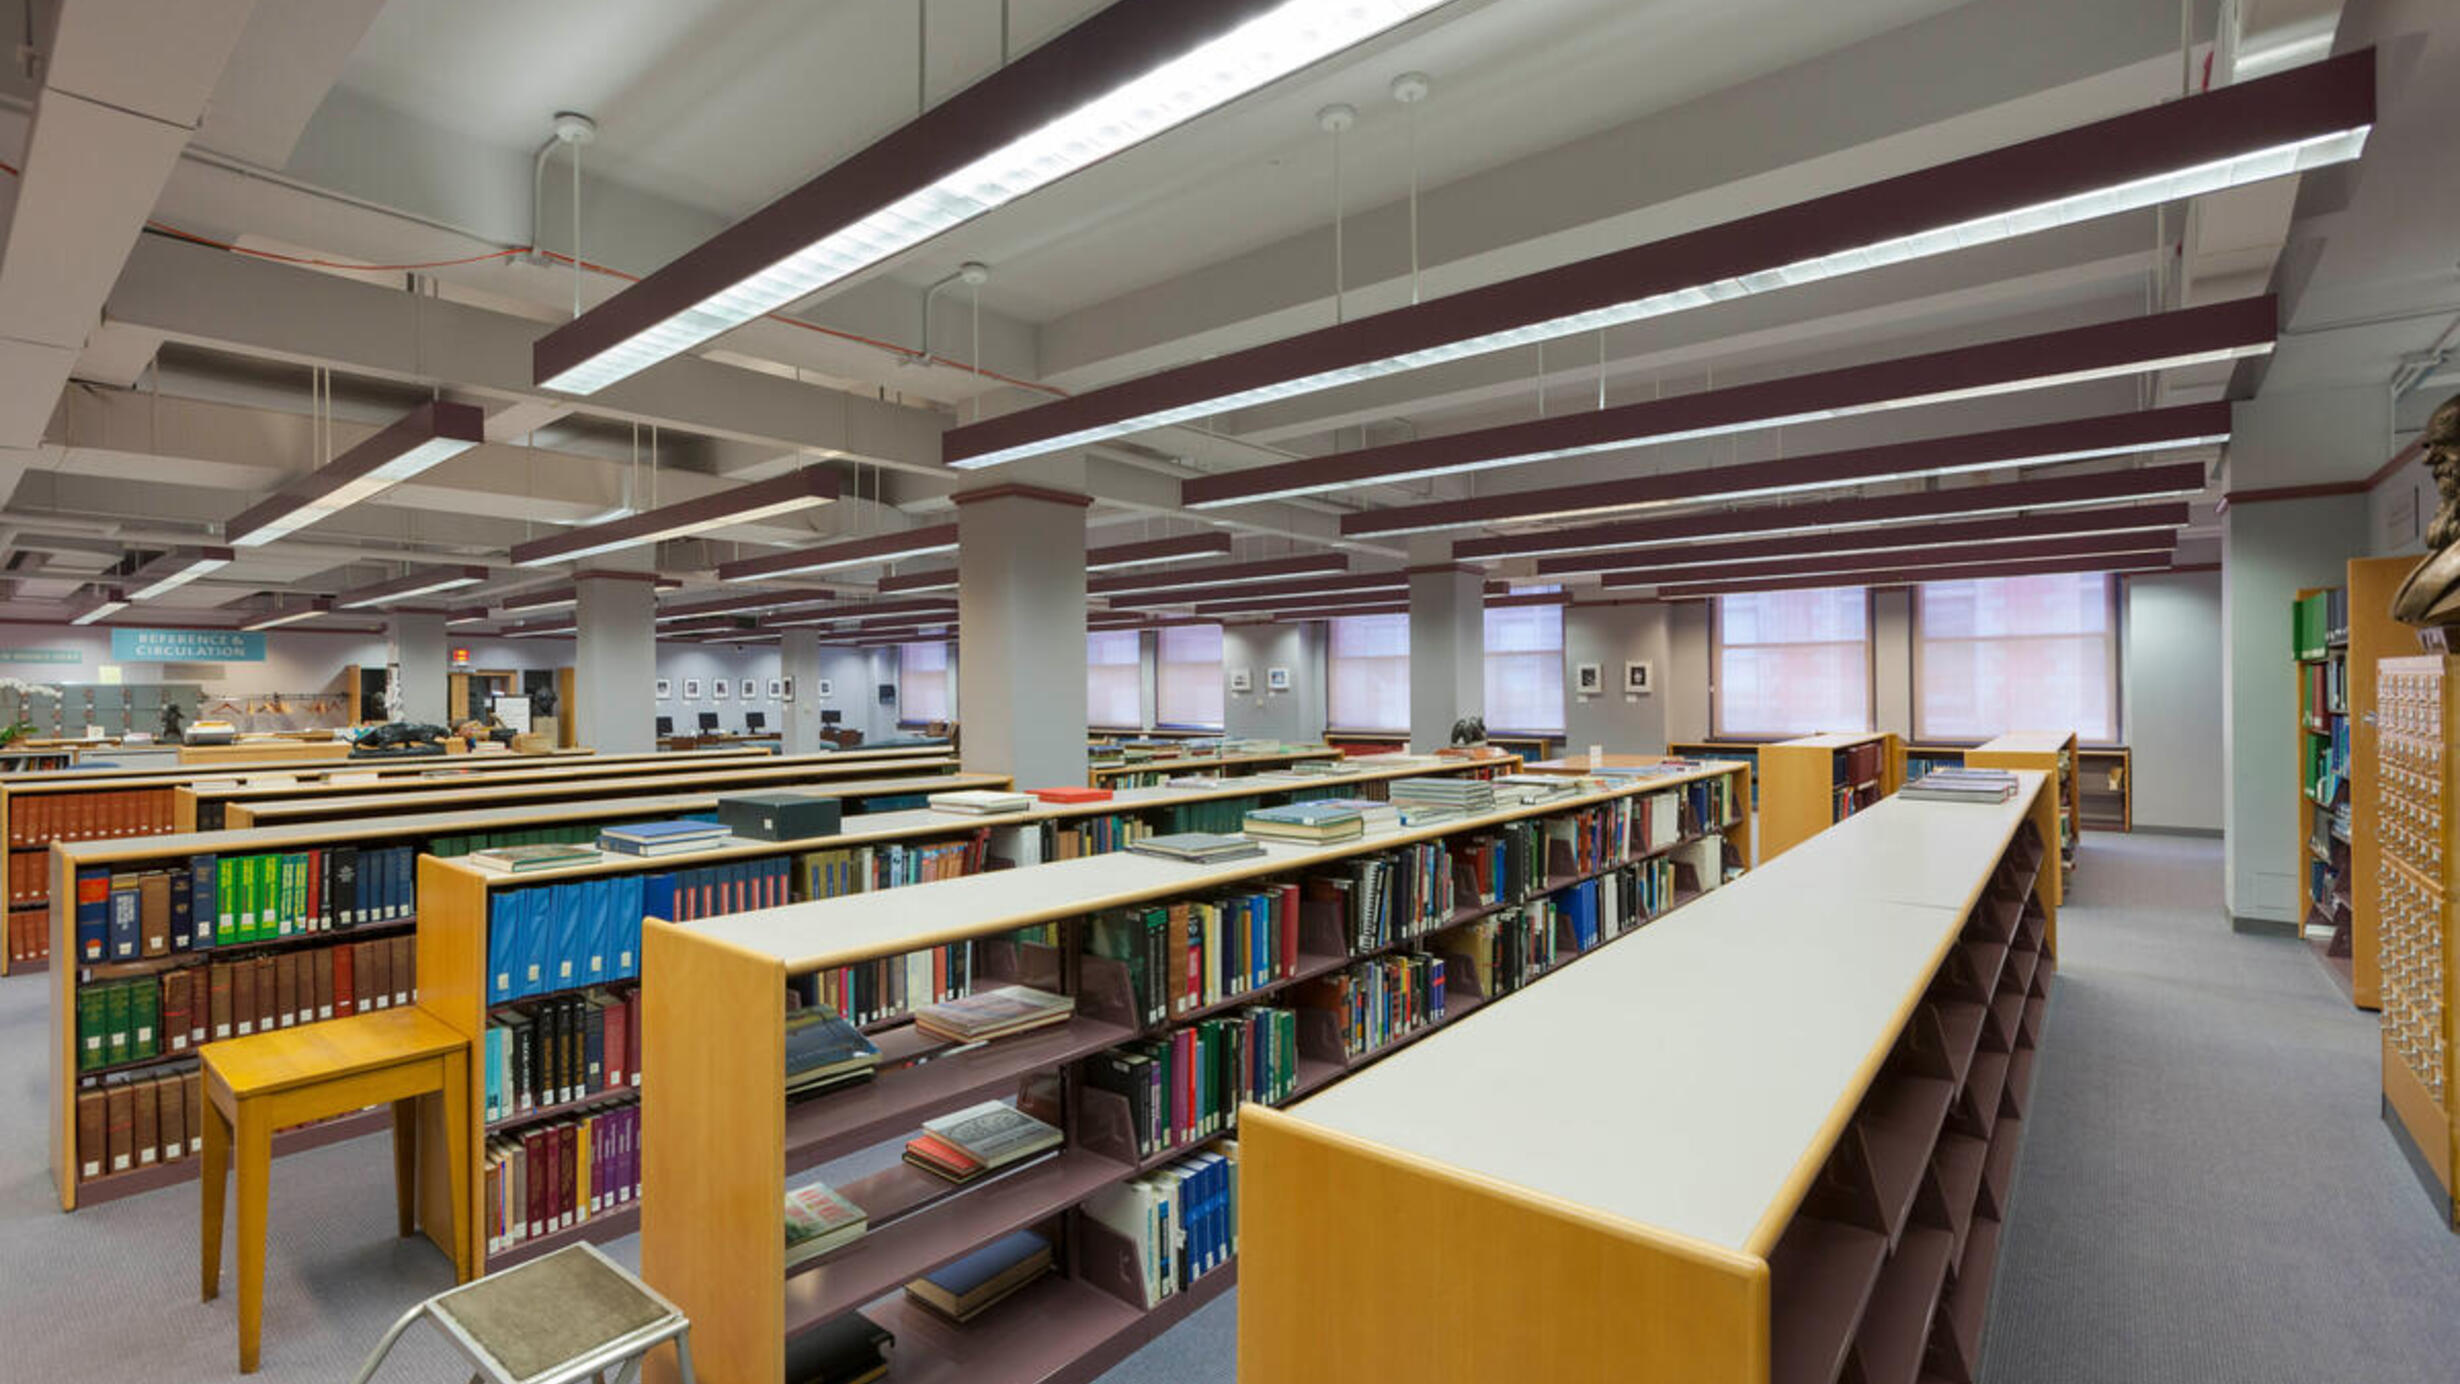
pixel 1071 795
pixel 632 1035
pixel 534 1181
pixel 345 989
pixel 1288 904
pixel 316 920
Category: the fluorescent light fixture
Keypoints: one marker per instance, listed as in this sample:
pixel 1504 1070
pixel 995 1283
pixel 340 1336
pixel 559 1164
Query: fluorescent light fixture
pixel 104 603
pixel 1632 567
pixel 864 610
pixel 1215 603
pixel 1925 555
pixel 1106 559
pixel 876 550
pixel 1960 502
pixel 1230 574
pixel 433 432
pixel 276 618
pixel 467 615
pixel 553 625
pixel 424 581
pixel 2082 439
pixel 2246 133
pixel 2162 341
pixel 1115 80
pixel 176 569
pixel 547 598
pixel 757 600
pixel 940 579
pixel 1394 579
pixel 1914 576
pixel 806 488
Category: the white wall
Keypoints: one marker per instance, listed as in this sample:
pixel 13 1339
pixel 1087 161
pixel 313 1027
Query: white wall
pixel 1610 636
pixel 1263 714
pixel 2171 688
pixel 1687 682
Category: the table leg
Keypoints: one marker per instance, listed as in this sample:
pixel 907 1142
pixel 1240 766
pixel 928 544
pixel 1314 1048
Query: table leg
pixel 255 1159
pixel 455 1099
pixel 212 1174
pixel 406 1164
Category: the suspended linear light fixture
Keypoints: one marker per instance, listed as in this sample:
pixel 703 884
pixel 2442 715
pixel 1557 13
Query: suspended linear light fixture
pixel 1105 559
pixel 2168 514
pixel 433 432
pixel 1926 555
pixel 853 552
pixel 2241 134
pixel 1918 575
pixel 277 617
pixel 425 581
pixel 807 488
pixel 2162 341
pixel 176 569
pixel 1121 76
pixel 1229 574
pixel 103 603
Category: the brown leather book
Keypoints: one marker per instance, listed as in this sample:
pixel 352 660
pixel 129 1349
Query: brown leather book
pixel 171 1120
pixel 345 980
pixel 93 1143
pixel 148 1134
pixel 286 990
pixel 264 994
pixel 375 974
pixel 120 1122
pixel 324 982
pixel 177 1018
pixel 154 913
pixel 194 1101
pixel 403 969
pixel 243 998
pixel 220 1001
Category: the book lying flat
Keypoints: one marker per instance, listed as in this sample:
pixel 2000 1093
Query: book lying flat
pixel 993 1133
pixel 1315 821
pixel 823 1050
pixel 660 838
pixel 933 1154
pixel 1073 795
pixel 994 1013
pixel 979 801
pixel 517 859
pixel 819 1219
pixel 970 1286
pixel 1201 847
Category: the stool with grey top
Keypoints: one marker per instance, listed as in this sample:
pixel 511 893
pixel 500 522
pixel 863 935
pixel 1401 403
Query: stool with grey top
pixel 569 1316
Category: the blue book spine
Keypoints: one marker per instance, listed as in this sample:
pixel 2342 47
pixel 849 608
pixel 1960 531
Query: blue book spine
pixel 93 915
pixel 125 938
pixel 630 907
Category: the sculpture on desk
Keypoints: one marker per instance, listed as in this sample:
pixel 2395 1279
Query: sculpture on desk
pixel 2429 597
pixel 173 723
pixel 1469 730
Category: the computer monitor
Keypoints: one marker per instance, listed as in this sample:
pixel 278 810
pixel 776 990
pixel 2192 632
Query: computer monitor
pixel 830 718
pixel 666 725
pixel 754 720
pixel 708 720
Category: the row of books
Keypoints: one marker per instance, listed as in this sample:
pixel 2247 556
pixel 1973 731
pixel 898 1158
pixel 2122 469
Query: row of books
pixel 1386 897
pixel 2326 762
pixel 1502 951
pixel 1378 1001
pixel 1712 803
pixel 860 869
pixel 550 937
pixel 560 1050
pixel 29 934
pixel 2319 621
pixel 38 819
pixel 979 1140
pixel 1181 1220
pixel 139 1122
pixel 561 834
pixel 1857 764
pixel 1197 952
pixel 1083 836
pixel 876 991
pixel 2323 689
pixel 1186 1086
pixel 180 1009
pixel 552 1177
pixel 226 901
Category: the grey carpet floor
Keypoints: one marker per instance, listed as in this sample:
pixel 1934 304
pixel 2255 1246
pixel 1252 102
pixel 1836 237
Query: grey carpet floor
pixel 2205 1193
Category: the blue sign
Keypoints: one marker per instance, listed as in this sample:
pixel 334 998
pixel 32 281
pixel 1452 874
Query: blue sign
pixel 187 646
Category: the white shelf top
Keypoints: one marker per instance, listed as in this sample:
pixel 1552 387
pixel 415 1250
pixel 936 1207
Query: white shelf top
pixel 1679 1077
pixel 1833 740
pixel 2027 742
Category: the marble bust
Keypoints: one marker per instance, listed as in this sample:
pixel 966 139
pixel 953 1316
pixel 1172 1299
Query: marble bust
pixel 2430 596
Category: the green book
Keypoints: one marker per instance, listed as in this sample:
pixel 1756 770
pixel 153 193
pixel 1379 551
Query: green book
pixel 260 898
pixel 92 1038
pixel 295 914
pixel 115 1024
pixel 268 897
pixel 226 900
pixel 144 1017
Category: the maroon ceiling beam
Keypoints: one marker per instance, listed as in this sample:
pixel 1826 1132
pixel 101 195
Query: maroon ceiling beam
pixel 2247 324
pixel 1227 574
pixel 2151 482
pixel 1345 582
pixel 2321 98
pixel 1916 576
pixel 2078 545
pixel 869 551
pixel 2051 524
pixel 2038 444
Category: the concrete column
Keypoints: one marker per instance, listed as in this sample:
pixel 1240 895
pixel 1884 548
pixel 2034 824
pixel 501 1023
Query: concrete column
pixel 1021 633
pixel 798 661
pixel 614 672
pixel 416 647
pixel 1447 651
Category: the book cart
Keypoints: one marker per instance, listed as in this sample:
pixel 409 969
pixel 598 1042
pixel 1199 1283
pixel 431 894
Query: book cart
pixel 1771 1141
pixel 1809 784
pixel 2054 753
pixel 36 810
pixel 2416 705
pixel 457 829
pixel 724 1143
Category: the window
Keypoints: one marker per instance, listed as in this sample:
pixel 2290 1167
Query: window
pixel 1367 665
pixel 1187 680
pixel 926 682
pixel 1793 662
pixel 1524 668
pixel 1114 679
pixel 1997 654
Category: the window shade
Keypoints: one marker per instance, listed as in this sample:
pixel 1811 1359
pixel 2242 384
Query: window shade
pixel 1367 669
pixel 1793 662
pixel 1114 679
pixel 926 682
pixel 1997 654
pixel 1187 683
pixel 1524 668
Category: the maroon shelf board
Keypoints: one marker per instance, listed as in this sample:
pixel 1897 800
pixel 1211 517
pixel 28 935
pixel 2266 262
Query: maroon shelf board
pixel 1896 1325
pixel 1820 1278
pixel 1059 1331
pixel 113 1186
pixel 597 1230
pixel 892 1104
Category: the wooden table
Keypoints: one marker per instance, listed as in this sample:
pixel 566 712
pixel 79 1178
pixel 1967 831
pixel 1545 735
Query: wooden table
pixel 270 1081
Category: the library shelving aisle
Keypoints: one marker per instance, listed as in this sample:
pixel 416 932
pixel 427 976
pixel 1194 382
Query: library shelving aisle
pixel 1810 784
pixel 2054 753
pixel 2319 639
pixel 1770 1139
pixel 2373 637
pixel 218 983
pixel 1152 771
pixel 2413 712
pixel 724 1143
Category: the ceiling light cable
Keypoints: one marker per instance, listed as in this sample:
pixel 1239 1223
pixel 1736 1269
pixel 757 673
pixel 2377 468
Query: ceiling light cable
pixel 1334 119
pixel 1409 89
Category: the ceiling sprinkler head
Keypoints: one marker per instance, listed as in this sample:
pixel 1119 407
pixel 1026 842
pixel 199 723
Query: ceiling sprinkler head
pixel 1336 118
pixel 572 127
pixel 1412 87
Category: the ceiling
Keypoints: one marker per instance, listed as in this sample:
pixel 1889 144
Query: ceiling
pixel 403 133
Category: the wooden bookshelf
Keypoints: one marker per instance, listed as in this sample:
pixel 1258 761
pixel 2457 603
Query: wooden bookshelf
pixel 1743 751
pixel 423 831
pixel 2373 636
pixel 202 807
pixel 2054 753
pixel 2105 787
pixel 1147 773
pixel 2319 652
pixel 724 1143
pixel 2415 706
pixel 1531 745
pixel 263 751
pixel 1737 832
pixel 1671 1186
pixel 1810 784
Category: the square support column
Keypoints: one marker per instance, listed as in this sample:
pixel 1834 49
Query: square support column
pixel 1447 651
pixel 416 646
pixel 1021 633
pixel 615 669
pixel 798 661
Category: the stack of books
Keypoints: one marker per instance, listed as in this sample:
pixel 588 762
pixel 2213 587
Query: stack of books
pixel 1462 795
pixel 1377 815
pixel 1066 796
pixel 824 1052
pixel 819 1219
pixel 979 1139
pixel 522 859
pixel 1962 786
pixel 1199 847
pixel 661 838
pixel 969 1287
pixel 980 802
pixel 992 1014
pixel 1534 788
pixel 1314 822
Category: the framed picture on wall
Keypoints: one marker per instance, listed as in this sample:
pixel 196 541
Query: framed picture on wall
pixel 751 688
pixel 666 689
pixel 1276 679
pixel 691 689
pixel 1242 681
pixel 1637 677
pixel 718 689
pixel 824 691
pixel 777 689
pixel 1589 679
